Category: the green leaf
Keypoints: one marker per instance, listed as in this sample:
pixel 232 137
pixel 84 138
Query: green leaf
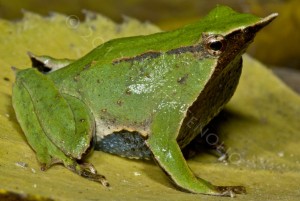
pixel 260 126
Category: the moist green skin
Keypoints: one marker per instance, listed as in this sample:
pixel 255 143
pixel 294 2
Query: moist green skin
pixel 156 86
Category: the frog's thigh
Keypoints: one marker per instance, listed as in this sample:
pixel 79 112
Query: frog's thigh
pixel 64 120
pixel 162 142
pixel 47 152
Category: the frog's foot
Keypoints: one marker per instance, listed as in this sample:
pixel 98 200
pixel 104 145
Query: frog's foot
pixel 231 191
pixel 89 166
pixel 88 171
pixel 47 165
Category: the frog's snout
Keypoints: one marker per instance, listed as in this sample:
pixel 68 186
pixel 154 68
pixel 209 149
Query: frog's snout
pixel 263 22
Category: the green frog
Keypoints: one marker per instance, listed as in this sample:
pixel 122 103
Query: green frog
pixel 137 97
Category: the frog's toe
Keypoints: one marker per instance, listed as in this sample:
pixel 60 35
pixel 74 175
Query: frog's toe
pixel 88 171
pixel 46 160
pixel 94 177
pixel 230 191
pixel 89 166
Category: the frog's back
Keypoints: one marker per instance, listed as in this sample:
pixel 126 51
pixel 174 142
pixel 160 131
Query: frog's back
pixel 130 47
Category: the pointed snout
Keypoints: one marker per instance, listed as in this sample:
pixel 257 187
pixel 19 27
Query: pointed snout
pixel 263 22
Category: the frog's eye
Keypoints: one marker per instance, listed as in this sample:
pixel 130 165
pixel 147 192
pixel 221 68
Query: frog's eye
pixel 215 44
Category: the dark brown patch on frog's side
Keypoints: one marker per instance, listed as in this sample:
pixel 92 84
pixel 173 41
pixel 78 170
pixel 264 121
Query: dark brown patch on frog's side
pixel 6 79
pixel 150 54
pixel 191 49
pixel 154 54
pixel 183 79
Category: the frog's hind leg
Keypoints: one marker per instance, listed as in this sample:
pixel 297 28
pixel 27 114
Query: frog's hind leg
pixel 47 64
pixel 166 151
pixel 58 127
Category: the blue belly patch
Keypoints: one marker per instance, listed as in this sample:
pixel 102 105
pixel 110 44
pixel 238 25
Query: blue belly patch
pixel 126 144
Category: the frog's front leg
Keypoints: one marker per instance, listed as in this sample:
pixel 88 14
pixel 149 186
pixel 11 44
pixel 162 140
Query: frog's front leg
pixel 47 64
pixel 57 126
pixel 162 142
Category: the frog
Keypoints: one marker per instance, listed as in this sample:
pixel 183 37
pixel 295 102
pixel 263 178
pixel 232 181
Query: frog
pixel 143 97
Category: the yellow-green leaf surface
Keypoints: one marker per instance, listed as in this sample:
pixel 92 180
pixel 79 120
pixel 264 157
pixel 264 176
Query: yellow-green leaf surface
pixel 260 126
